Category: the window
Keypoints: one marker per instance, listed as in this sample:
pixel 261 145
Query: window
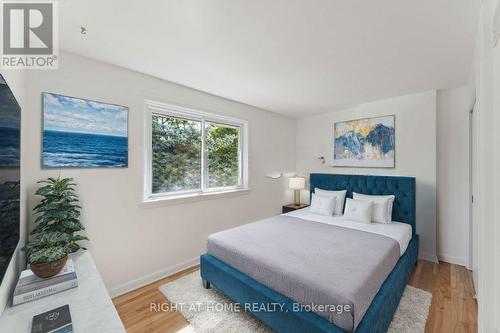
pixel 176 158
pixel 192 153
pixel 222 155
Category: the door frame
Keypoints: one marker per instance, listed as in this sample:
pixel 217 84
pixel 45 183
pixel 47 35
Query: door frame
pixel 472 246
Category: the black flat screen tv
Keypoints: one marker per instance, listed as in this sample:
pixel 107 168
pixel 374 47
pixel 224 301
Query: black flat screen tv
pixel 10 158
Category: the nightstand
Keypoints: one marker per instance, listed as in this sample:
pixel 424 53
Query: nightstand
pixel 292 207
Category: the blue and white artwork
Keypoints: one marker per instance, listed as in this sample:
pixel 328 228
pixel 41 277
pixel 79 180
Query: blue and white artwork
pixel 81 133
pixel 366 142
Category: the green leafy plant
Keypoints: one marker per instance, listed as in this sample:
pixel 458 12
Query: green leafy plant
pixel 57 222
pixel 47 247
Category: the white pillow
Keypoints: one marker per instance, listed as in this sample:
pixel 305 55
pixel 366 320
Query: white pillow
pixel 339 201
pixel 322 204
pixel 358 210
pixel 382 206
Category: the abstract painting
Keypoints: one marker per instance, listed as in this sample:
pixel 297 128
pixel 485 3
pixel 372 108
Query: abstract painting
pixel 80 133
pixel 368 142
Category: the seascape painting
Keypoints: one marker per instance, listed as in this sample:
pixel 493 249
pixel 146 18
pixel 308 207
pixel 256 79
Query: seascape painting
pixel 366 142
pixel 80 133
pixel 10 122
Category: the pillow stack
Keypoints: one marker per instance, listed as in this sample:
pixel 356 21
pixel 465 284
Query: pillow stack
pixel 339 198
pixel 381 208
pixel 323 198
pixel 322 205
pixel 361 208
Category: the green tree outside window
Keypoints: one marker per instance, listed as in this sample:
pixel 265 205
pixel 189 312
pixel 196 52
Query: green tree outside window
pixel 177 154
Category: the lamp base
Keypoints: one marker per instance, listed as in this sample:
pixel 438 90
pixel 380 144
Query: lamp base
pixel 297 197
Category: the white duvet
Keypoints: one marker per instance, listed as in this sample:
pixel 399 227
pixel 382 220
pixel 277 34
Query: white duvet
pixel 401 232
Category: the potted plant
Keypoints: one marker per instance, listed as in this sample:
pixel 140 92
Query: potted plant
pixel 57 224
pixel 47 253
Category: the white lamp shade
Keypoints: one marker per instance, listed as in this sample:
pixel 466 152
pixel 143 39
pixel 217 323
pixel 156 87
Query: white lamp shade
pixel 296 183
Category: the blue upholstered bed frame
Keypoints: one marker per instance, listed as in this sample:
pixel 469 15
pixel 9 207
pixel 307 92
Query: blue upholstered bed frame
pixel 243 289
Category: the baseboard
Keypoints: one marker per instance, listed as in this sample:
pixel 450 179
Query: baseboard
pixel 452 259
pixel 428 256
pixel 155 276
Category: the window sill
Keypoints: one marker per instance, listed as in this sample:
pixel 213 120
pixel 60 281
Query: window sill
pixel 191 197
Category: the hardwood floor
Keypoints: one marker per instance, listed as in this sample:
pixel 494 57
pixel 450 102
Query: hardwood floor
pixel 453 307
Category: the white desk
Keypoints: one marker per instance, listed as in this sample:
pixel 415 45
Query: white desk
pixel 89 303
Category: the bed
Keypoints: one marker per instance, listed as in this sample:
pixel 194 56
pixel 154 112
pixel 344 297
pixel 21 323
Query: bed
pixel 258 263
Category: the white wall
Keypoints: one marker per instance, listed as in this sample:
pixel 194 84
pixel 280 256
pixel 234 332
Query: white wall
pixel 415 151
pixel 132 244
pixel 487 83
pixel 16 81
pixel 493 244
pixel 453 192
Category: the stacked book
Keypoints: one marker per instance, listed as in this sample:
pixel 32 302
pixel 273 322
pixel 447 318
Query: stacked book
pixel 31 287
pixel 53 321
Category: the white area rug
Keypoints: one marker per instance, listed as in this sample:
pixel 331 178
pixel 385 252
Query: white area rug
pixel 202 308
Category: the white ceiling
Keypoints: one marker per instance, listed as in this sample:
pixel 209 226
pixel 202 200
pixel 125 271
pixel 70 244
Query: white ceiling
pixel 295 57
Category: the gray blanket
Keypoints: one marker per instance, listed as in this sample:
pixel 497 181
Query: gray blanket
pixel 311 263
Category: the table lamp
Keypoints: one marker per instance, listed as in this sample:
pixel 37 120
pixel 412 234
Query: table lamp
pixel 296 184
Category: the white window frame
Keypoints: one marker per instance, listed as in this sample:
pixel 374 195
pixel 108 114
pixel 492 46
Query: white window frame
pixel 170 110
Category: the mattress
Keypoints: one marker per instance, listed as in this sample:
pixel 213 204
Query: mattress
pixel 336 271
pixel 401 232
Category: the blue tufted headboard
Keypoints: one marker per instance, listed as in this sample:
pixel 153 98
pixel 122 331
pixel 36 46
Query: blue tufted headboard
pixel 402 187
